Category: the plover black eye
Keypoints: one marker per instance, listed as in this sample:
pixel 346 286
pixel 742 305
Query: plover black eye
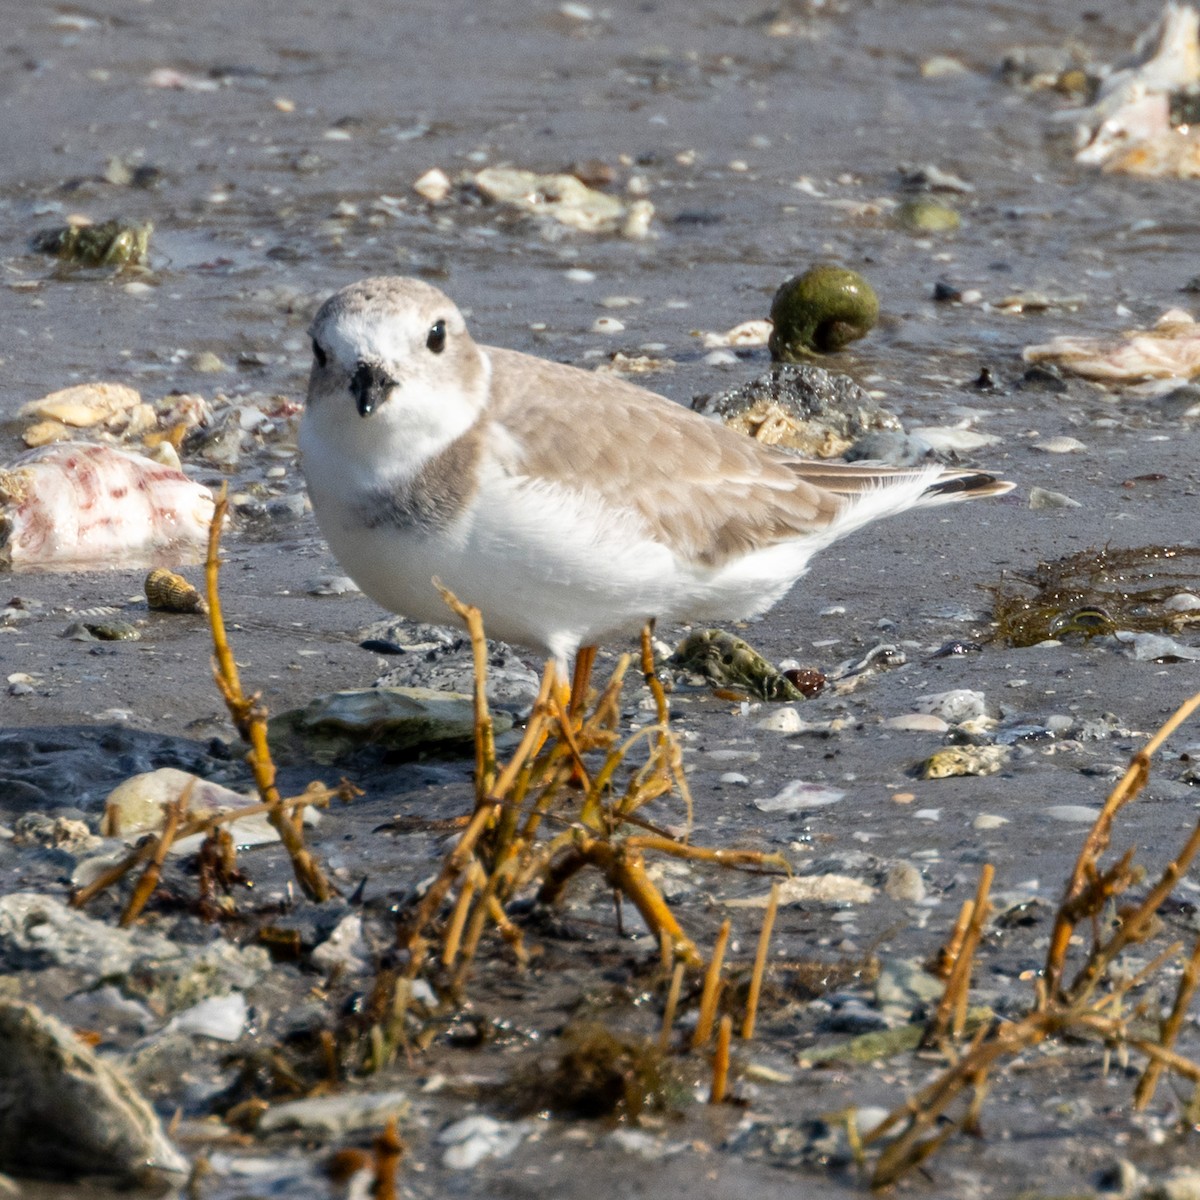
pixel 319 355
pixel 436 341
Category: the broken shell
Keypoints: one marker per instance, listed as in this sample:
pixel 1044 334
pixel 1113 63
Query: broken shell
pixel 112 631
pixel 73 504
pixel 168 592
pixel 728 661
pixel 964 760
pixel 83 405
pixel 820 311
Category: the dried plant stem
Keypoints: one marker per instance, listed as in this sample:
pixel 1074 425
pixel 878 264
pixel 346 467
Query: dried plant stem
pixel 951 1015
pixel 760 963
pixel 462 906
pixel 720 1067
pixel 485 733
pixel 668 1021
pixel 1144 1092
pixel 711 990
pixel 250 719
pixel 389 1150
pixel 1097 841
pixel 144 888
pixel 143 851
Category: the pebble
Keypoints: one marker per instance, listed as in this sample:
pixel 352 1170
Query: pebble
pixel 607 325
pixel 985 821
pixel 207 363
pixel 955 706
pixel 917 723
pixel 782 720
pixel 1181 602
pixel 904 882
pixel 345 949
pixel 1060 445
pixel 1076 814
pixel 434 185
pixel 331 585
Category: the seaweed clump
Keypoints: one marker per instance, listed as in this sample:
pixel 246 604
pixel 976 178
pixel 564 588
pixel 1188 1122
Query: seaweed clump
pixel 1147 589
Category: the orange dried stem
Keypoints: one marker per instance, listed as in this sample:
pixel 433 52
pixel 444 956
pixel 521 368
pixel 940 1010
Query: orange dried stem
pixel 1097 841
pixel 720 1067
pixel 711 990
pixel 144 888
pixel 250 719
pixel 668 1021
pixel 760 963
pixel 389 1150
pixel 485 733
pixel 1144 1092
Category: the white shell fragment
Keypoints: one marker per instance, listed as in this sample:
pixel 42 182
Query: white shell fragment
pixel 748 333
pixel 469 1141
pixel 1171 350
pixel 811 889
pixel 565 199
pixel 222 1018
pixel 799 796
pixel 91 506
pixel 434 185
pixel 115 406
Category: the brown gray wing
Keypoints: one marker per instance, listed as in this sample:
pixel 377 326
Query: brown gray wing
pixel 709 492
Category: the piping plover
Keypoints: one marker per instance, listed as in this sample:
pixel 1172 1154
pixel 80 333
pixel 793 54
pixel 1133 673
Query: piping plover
pixel 570 507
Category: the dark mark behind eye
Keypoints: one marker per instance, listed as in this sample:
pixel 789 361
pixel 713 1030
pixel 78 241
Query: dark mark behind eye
pixel 319 355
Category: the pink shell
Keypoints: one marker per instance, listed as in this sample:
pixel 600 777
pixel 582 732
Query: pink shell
pixel 75 504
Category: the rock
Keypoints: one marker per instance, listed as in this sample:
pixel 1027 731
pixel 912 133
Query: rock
pixel 140 805
pixel 39 931
pixel 345 948
pixel 1183 1183
pixel 388 720
pixel 801 407
pixel 1077 814
pixel 65 1112
pixel 960 704
pixel 917 723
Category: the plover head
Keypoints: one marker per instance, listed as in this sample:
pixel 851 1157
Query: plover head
pixel 393 365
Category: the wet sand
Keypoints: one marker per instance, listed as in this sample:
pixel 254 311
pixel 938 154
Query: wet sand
pixel 292 175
